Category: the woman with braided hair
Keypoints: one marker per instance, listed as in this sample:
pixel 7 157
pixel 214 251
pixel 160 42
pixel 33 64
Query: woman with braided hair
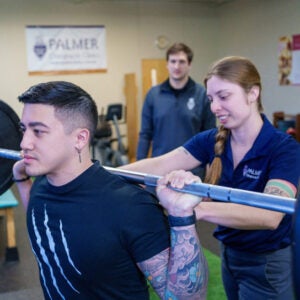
pixel 244 152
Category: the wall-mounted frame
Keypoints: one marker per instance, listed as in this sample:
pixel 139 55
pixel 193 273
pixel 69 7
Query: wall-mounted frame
pixel 289 60
pixel 55 50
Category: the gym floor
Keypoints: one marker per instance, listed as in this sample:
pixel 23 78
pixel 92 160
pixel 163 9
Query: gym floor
pixel 20 281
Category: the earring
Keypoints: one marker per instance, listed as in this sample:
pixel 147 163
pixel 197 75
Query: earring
pixel 79 155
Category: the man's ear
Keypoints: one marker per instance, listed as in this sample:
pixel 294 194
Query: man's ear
pixel 82 137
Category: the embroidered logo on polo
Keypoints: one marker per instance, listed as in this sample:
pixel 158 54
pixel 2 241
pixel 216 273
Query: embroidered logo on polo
pixel 251 173
pixel 191 103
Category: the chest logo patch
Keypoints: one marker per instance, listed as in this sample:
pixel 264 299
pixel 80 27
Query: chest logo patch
pixel 251 173
pixel 191 103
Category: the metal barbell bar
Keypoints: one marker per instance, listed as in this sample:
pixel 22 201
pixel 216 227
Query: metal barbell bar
pixel 10 154
pixel 215 192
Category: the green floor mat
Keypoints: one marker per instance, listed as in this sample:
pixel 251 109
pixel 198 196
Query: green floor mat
pixel 215 290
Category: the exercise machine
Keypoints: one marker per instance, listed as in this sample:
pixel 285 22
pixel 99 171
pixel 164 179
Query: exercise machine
pixel 109 150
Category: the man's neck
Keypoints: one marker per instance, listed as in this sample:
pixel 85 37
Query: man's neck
pixel 64 176
pixel 178 84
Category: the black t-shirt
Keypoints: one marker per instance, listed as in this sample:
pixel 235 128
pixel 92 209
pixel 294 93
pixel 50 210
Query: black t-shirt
pixel 89 234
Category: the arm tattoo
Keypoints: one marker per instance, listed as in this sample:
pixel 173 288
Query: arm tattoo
pixel 187 267
pixel 182 149
pixel 181 271
pixel 280 188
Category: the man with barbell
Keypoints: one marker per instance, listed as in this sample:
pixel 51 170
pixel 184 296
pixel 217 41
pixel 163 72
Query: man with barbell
pixel 94 235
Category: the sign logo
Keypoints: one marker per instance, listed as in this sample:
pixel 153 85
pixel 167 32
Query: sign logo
pixel 40 47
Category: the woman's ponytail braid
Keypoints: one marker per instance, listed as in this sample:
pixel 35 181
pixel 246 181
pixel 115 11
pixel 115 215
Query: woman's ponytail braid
pixel 214 171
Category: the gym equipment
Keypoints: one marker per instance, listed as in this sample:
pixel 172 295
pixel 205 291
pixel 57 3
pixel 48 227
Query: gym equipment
pixel 218 193
pixel 10 154
pixel 296 247
pixel 102 145
pixel 7 203
pixel 10 137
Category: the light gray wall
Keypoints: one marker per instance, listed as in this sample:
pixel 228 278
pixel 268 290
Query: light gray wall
pixel 241 27
pixel 131 27
pixel 252 28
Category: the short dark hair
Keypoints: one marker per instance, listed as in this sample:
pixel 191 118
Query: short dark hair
pixel 180 47
pixel 73 106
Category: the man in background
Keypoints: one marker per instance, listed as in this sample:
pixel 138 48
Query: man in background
pixel 175 110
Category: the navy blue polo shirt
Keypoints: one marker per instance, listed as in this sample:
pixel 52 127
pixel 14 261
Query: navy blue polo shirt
pixel 274 155
pixel 171 117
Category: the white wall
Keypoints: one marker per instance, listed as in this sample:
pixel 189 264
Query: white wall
pixel 252 28
pixel 242 27
pixel 131 27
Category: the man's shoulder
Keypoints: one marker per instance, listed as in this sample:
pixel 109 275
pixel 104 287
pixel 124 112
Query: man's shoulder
pixel 159 89
pixel 196 85
pixel 163 86
pixel 122 188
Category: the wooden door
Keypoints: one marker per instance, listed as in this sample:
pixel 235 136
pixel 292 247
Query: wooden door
pixel 130 91
pixel 154 71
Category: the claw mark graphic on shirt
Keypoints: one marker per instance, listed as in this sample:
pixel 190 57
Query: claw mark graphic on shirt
pixel 43 254
pixel 41 272
pixel 52 246
pixel 67 248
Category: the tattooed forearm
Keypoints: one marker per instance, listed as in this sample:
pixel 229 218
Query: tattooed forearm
pixel 182 271
pixel 155 270
pixel 187 268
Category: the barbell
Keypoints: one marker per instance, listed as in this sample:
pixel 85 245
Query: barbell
pixel 220 193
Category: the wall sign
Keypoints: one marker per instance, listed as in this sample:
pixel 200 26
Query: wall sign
pixel 289 60
pixel 65 49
